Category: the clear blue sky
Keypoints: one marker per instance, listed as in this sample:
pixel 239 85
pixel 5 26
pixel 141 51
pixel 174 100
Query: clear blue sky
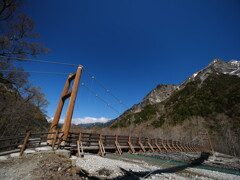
pixel 130 45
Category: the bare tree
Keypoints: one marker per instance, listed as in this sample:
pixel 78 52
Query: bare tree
pixel 15 32
pixel 21 105
pixel 8 8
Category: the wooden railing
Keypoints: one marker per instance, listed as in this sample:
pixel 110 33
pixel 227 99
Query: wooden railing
pixel 93 142
pixel 29 140
pixel 81 142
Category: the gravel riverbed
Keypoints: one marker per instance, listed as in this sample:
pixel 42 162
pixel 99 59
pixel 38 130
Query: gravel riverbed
pixel 93 167
pixel 110 167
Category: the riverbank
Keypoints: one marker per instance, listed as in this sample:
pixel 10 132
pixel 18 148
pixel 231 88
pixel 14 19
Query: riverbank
pixel 216 160
pixel 127 166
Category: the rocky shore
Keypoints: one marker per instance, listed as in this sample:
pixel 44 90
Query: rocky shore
pixel 217 160
pixel 126 167
pixel 50 165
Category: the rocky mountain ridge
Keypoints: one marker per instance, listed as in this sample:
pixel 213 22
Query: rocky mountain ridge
pixel 208 100
pixel 159 94
pixel 162 92
pixel 217 66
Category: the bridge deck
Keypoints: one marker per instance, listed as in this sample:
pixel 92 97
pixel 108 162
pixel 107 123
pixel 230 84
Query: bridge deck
pixel 84 142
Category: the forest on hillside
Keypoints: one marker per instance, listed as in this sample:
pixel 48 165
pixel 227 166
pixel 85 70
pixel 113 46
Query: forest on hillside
pixel 22 105
pixel 212 106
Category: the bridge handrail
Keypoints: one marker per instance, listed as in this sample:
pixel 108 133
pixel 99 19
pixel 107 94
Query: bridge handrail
pixel 35 139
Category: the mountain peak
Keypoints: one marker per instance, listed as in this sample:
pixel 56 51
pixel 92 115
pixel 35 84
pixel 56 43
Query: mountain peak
pixel 157 95
pixel 234 63
pixel 217 66
pixel 162 92
pixel 216 61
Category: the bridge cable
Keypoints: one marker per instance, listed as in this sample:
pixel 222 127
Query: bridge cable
pixel 105 89
pixel 110 93
pixel 100 98
pixel 42 61
pixel 40 72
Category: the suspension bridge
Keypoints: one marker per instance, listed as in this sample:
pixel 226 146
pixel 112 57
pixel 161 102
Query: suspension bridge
pixel 80 142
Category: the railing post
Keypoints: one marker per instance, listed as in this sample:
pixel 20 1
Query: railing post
pixel 25 143
pixel 79 145
pixel 141 145
pixel 118 150
pixel 177 144
pixel 55 139
pixel 132 150
pixel 169 145
pixel 163 145
pixel 156 144
pixel 101 147
pixel 150 146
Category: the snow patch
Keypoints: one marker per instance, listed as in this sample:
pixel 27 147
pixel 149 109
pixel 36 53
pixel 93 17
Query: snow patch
pixel 235 63
pixel 195 74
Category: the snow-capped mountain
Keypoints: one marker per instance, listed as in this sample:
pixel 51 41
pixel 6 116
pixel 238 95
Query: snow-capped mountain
pixel 162 92
pixel 217 66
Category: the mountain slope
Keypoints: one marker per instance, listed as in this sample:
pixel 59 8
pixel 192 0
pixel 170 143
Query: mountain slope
pixel 209 100
pixel 18 114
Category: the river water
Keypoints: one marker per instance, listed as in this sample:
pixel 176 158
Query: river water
pixel 167 163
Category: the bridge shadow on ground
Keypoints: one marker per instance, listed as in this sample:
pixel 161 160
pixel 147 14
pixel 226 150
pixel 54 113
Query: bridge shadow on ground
pixel 145 174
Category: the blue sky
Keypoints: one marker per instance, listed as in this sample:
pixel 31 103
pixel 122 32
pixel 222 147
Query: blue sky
pixel 131 46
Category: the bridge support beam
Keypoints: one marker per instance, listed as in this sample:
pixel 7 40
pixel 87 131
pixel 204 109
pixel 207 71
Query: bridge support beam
pixel 65 94
pixel 68 118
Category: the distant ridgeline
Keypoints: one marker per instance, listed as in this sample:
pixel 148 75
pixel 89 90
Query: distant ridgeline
pixel 18 109
pixel 209 100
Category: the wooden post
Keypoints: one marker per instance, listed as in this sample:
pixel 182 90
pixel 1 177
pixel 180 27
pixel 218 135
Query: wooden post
pixel 186 147
pixel 80 147
pixel 173 146
pixel 132 150
pixel 55 139
pixel 68 118
pixel 163 145
pixel 118 150
pixel 101 147
pixel 25 143
pixel 156 144
pixel 169 145
pixel 141 145
pixel 182 146
pixel 150 146
pixel 178 147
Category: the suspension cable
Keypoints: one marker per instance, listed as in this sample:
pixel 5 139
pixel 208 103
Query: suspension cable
pixel 42 61
pixel 105 89
pixel 39 72
pixel 100 98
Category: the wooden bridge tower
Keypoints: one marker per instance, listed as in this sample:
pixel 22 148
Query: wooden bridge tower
pixel 65 95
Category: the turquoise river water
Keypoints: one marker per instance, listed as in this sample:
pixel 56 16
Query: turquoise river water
pixel 159 162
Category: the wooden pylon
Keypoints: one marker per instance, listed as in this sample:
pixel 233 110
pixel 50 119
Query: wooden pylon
pixel 65 95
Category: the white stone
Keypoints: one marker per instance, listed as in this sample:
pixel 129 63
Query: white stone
pixel 29 151
pixel 3 158
pixel 74 160
pixel 14 155
pixel 63 152
pixel 47 148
